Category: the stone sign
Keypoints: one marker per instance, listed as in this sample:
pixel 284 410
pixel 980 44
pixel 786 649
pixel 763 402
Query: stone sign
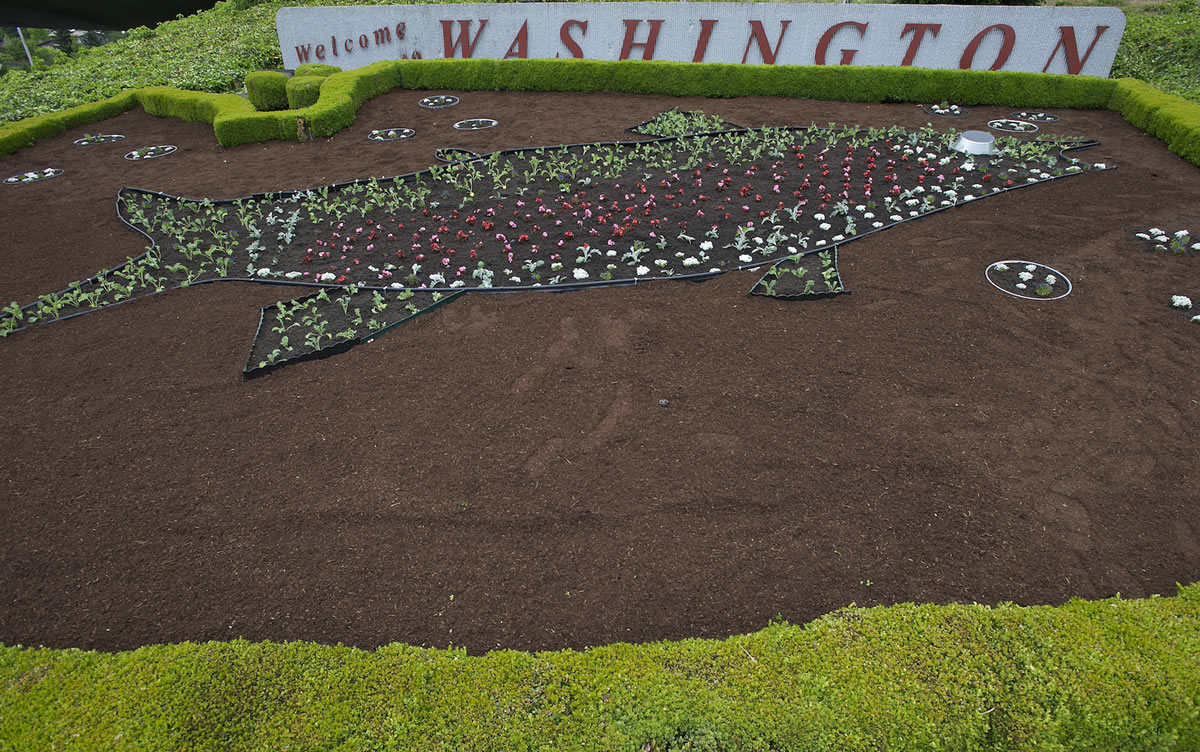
pixel 1072 40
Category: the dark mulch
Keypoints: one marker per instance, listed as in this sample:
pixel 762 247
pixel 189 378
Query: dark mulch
pixel 500 473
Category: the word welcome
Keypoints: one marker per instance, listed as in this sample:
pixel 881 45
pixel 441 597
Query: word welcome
pixel 1070 40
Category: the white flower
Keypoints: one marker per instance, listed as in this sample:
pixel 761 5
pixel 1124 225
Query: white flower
pixel 877 224
pixel 691 261
pixel 643 270
pixel 745 258
pixel 1100 166
pixel 1154 231
pixel 706 245
pixel 515 279
pixel 895 217
pixel 1051 279
pixel 1001 267
pixel 818 217
pixel 837 238
pixel 264 272
pixel 825 225
pixel 457 283
pixel 1196 246
pixel 1181 233
pixel 1020 285
pixel 580 273
pixel 1143 236
pixel 611 253
pixel 660 263
pixel 869 215
pixel 1181 301
pixel 1031 267
pixel 1025 276
pixel 327 277
pixel 556 266
pixel 293 275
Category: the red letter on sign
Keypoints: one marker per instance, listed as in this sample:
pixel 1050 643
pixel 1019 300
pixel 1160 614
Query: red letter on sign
pixel 918 31
pixel 1066 40
pixel 827 37
pixel 320 52
pixel 464 40
pixel 757 34
pixel 1010 38
pixel 565 35
pixel 647 46
pixel 520 45
pixel 706 27
pixel 302 52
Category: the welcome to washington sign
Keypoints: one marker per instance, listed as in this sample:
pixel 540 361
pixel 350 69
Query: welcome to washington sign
pixel 1070 40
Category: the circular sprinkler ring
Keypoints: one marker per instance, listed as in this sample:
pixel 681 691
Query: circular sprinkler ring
pixel 438 102
pixel 975 142
pixel 150 152
pixel 945 109
pixel 1012 126
pixel 452 154
pixel 99 138
pixel 33 177
pixel 476 124
pixel 1028 280
pixel 391 134
pixel 1034 117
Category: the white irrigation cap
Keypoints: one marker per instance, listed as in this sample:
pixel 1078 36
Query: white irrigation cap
pixel 975 142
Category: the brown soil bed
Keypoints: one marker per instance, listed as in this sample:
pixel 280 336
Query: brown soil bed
pixel 500 473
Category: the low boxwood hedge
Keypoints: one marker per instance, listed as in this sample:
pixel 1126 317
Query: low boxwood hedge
pixel 303 91
pixel 267 90
pixel 1169 118
pixel 1102 675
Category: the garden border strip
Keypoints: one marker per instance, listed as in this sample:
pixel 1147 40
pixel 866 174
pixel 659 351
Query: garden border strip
pixel 1171 119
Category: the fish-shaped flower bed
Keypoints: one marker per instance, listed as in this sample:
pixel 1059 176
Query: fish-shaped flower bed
pixel 549 218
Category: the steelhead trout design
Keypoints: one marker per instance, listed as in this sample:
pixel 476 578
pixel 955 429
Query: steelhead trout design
pixel 380 251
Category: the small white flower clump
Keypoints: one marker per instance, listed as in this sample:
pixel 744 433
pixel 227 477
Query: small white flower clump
pixel 1051 279
pixel 643 270
pixel 691 261
pixel 706 245
pixel 1001 267
pixel 580 274
pixel 1025 276
pixel 745 258
pixel 1181 301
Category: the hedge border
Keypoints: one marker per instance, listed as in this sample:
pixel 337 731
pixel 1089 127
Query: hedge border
pixel 1173 120
pixel 1087 675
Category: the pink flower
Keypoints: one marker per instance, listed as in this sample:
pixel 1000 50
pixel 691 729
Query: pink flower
pixel 445 261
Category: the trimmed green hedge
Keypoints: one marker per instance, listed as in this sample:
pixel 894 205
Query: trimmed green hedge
pixel 316 69
pixel 1173 120
pixel 267 90
pixel 303 91
pixel 1105 675
pixel 15 136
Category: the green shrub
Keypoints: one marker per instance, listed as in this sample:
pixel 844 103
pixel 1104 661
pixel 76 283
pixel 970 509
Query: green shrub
pixel 1104 675
pixel 303 91
pixel 15 136
pixel 1173 120
pixel 316 69
pixel 267 90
